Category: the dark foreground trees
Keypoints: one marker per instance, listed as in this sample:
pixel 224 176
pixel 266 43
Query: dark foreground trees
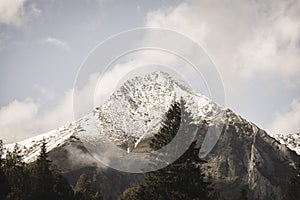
pixel 83 189
pixel 4 186
pixel 182 179
pixel 292 190
pixel 37 180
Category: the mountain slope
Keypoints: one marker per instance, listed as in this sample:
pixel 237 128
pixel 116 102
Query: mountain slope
pixel 247 157
pixel 132 113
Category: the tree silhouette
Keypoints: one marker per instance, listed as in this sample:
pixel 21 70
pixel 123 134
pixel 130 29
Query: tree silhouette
pixel 83 189
pixel 4 187
pixel 167 183
pixel 292 190
pixel 15 170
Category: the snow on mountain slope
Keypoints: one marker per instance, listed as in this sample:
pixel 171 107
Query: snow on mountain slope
pixel 292 141
pixel 132 112
pixel 55 138
pixel 136 109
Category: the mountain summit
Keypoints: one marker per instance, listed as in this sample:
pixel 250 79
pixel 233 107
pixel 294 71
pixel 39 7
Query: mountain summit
pixel 244 156
pixel 132 113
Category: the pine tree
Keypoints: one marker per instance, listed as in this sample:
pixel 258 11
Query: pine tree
pixel 292 190
pixel 42 176
pixel 169 129
pixel 37 180
pixel 15 170
pixel 83 189
pixel 167 183
pixel 4 187
pixel 176 121
pixel 47 181
pixel 61 186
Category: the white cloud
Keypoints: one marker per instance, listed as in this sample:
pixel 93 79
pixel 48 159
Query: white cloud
pixel 45 92
pixel 287 121
pixel 23 119
pixel 11 11
pixel 255 45
pixel 17 118
pixel 56 42
pixel 15 12
pixel 244 38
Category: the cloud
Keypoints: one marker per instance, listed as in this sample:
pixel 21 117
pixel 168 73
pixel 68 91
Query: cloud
pixel 45 92
pixel 56 42
pixel 287 121
pixel 245 38
pixel 15 12
pixel 254 44
pixel 23 119
pixel 78 158
pixel 11 11
pixel 16 118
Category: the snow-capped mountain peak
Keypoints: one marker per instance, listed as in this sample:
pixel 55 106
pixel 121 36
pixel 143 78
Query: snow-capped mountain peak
pixel 134 111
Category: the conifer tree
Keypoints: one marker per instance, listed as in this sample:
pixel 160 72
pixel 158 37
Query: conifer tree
pixel 83 189
pixel 133 193
pixel 15 170
pixel 4 187
pixel 42 176
pixel 167 183
pixel 169 128
pixel 292 190
pixel 61 186
pixel 37 180
pixel 47 182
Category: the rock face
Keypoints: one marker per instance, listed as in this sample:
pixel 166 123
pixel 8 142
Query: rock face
pixel 245 157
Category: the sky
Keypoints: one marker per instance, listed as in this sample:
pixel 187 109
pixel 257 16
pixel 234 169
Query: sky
pixel 255 46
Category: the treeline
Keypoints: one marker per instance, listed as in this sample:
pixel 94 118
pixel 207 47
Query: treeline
pixel 39 180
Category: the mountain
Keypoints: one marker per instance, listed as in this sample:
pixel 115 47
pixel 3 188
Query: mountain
pixel 137 107
pixel 244 156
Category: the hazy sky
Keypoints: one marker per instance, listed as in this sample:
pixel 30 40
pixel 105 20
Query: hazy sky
pixel 254 44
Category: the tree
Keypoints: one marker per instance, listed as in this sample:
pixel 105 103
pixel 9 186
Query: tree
pixel 48 183
pixel 167 183
pixel 292 190
pixel 36 180
pixel 15 170
pixel 83 189
pixel 133 193
pixel 61 186
pixel 43 180
pixel 169 129
pixel 4 187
